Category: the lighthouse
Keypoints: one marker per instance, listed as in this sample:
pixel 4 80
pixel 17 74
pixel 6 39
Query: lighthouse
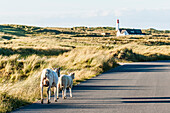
pixel 117 25
pixel 123 31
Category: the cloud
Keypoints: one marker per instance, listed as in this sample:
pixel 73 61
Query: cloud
pixel 143 18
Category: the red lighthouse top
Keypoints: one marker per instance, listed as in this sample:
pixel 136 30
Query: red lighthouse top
pixel 117 20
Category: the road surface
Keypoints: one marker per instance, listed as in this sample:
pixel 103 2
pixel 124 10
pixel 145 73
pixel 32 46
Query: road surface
pixel 130 88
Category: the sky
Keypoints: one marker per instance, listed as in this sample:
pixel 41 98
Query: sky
pixel 142 14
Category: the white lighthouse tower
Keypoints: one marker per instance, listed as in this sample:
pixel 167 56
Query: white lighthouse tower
pixel 117 25
pixel 123 32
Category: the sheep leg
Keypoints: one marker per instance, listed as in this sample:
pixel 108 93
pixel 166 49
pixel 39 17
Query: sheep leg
pixel 41 94
pixel 58 91
pixel 70 92
pixel 48 94
pixel 65 93
pixel 55 94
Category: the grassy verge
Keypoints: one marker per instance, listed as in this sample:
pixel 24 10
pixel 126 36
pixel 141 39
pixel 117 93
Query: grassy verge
pixel 128 55
pixel 9 103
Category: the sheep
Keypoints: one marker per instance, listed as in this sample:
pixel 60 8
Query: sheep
pixel 49 78
pixel 65 81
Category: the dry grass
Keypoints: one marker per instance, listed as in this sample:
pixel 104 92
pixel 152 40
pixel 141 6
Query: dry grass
pixel 91 60
pixel 9 103
pixel 25 53
pixel 85 62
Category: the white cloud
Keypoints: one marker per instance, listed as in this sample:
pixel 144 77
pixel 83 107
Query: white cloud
pixel 143 18
pixel 122 12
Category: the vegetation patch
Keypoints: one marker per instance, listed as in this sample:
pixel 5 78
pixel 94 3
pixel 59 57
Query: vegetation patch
pixel 127 55
pixel 9 103
pixel 30 51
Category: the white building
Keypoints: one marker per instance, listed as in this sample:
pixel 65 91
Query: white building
pixel 123 32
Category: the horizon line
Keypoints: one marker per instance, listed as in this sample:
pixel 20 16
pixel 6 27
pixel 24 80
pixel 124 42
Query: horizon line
pixel 43 26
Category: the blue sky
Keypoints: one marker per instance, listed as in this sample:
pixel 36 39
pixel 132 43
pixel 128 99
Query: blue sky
pixel 68 13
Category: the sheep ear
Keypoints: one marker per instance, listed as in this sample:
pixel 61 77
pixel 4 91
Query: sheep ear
pixel 48 71
pixel 59 68
pixel 72 75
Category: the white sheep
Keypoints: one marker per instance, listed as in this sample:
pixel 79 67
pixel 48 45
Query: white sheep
pixel 65 81
pixel 49 78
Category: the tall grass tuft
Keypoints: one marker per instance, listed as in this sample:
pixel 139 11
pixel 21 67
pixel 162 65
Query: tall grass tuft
pixel 9 103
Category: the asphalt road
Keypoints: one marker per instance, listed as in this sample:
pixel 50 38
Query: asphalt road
pixel 130 88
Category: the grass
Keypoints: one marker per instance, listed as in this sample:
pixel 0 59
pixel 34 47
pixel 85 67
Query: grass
pixel 26 50
pixel 30 51
pixel 25 81
pixel 9 103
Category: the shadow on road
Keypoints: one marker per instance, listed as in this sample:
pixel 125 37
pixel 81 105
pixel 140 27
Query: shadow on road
pixel 146 100
pixel 96 80
pixel 37 106
pixel 139 68
pixel 120 100
pixel 105 87
pixel 97 103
